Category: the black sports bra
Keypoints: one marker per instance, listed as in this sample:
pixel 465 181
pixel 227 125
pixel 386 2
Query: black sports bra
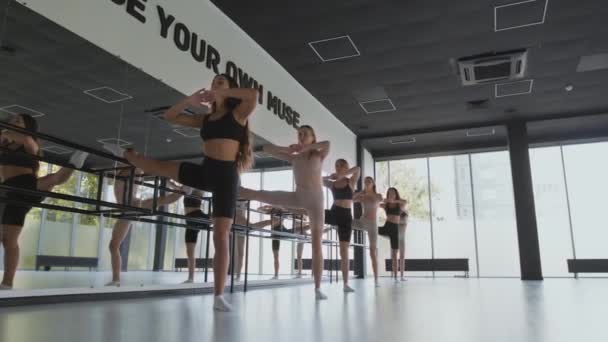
pixel 192 202
pixel 226 127
pixel 392 211
pixel 17 157
pixel 345 193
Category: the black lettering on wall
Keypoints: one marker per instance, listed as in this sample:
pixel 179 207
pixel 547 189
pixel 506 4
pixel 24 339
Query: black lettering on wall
pixel 119 2
pixel 244 80
pixel 260 89
pixel 272 103
pixel 201 52
pixel 198 48
pixel 296 119
pixel 281 109
pixel 165 21
pixel 181 36
pixel 231 70
pixel 288 115
pixel 135 9
pixel 213 58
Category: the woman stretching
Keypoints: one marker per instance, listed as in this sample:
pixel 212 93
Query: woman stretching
pixel 403 218
pixel 227 149
pixel 121 227
pixel 341 184
pixel 19 168
pixel 393 204
pixel 306 158
pixel 368 222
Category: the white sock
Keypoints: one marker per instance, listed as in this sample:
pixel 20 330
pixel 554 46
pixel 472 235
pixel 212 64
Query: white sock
pixel 77 159
pixel 238 278
pixel 115 149
pixel 188 281
pixel 348 289
pixel 320 295
pixel 113 283
pixel 5 287
pixel 220 304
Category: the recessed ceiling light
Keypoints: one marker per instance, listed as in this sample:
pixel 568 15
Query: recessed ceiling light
pixel 569 87
pixel 480 132
pixel 402 141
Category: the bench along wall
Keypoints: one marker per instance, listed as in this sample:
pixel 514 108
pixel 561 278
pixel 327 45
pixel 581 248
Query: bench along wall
pixel 185 43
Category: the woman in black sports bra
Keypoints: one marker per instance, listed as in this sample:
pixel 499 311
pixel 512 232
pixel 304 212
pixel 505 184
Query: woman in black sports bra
pixel 227 149
pixel 341 184
pixel 19 168
pixel 393 205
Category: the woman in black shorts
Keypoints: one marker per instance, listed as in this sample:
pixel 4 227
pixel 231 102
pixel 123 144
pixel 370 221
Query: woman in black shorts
pixel 19 168
pixel 393 205
pixel 342 185
pixel 227 149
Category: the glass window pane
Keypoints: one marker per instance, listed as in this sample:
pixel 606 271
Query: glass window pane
pixel 87 226
pixel 410 177
pixel 586 171
pixel 252 180
pixel 57 228
pixel 453 230
pixel 495 213
pixel 281 181
pixel 551 210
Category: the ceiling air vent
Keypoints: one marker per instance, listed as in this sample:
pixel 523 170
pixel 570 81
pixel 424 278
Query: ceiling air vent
pixel 492 67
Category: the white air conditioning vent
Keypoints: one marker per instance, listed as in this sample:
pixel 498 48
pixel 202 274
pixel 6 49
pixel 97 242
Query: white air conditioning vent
pixel 493 67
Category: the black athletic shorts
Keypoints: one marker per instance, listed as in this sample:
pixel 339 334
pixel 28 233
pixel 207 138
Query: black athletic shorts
pixel 221 178
pixel 343 218
pixel 192 234
pixel 14 214
pixel 390 230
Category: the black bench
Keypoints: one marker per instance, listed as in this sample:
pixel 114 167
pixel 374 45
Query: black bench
pixel 588 265
pixel 307 264
pixel 48 261
pixel 433 265
pixel 199 263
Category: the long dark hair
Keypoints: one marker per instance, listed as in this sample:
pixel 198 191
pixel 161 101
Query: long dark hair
pixel 373 181
pixel 398 198
pixel 314 138
pixel 244 158
pixel 32 125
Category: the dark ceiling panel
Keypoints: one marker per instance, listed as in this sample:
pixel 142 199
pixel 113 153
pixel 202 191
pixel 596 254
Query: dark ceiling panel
pixel 407 49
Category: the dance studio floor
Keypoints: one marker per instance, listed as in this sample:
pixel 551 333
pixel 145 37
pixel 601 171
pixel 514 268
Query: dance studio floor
pixel 419 310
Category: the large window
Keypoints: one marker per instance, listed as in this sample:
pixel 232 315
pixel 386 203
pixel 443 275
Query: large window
pixel 283 181
pixel 495 215
pixel 452 214
pixel 552 213
pixel 586 171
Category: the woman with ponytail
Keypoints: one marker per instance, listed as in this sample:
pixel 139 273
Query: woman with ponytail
pixel 227 149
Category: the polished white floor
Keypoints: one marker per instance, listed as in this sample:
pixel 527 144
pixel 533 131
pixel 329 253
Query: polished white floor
pixel 419 310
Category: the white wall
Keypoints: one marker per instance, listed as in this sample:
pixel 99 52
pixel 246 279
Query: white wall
pixel 109 26
pixel 367 169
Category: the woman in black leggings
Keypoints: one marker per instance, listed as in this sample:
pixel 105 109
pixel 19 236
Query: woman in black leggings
pixel 342 184
pixel 393 205
pixel 227 149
